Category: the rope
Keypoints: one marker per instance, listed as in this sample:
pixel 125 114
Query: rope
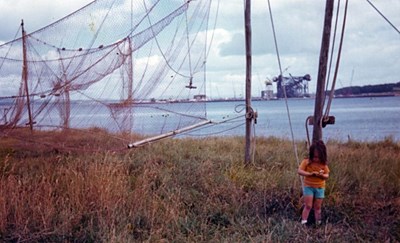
pixel 237 110
pixel 213 32
pixel 328 107
pixel 284 89
pixel 333 47
pixel 336 70
pixel 307 132
pixel 394 27
pixel 159 47
pixel 213 133
pixel 254 142
pixel 189 46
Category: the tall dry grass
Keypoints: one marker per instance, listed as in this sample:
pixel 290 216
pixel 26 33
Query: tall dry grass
pixel 194 190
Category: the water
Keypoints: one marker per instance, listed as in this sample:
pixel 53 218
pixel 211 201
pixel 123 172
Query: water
pixel 361 119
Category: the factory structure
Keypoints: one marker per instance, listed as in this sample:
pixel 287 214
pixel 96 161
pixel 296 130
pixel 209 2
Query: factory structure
pixel 293 86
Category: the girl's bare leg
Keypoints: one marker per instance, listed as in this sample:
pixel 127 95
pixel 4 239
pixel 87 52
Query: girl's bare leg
pixel 308 204
pixel 317 209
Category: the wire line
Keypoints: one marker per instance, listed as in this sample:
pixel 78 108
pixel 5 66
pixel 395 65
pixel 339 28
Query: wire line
pixel 284 89
pixel 387 20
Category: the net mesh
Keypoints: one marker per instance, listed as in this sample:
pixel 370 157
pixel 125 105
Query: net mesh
pixel 128 67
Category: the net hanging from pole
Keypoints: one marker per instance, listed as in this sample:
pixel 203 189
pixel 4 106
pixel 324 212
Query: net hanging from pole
pixel 119 65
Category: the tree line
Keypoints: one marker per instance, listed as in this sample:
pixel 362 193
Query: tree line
pixel 369 89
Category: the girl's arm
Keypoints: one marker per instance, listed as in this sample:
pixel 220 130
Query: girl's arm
pixel 314 173
pixel 322 175
pixel 304 173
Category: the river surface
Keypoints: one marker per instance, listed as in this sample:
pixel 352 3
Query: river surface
pixel 362 119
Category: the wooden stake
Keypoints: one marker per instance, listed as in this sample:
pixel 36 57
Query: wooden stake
pixel 249 111
pixel 25 75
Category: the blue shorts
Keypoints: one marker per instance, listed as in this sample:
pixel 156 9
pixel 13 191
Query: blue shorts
pixel 315 192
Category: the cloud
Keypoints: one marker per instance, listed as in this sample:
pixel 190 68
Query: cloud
pixel 371 49
pixel 35 15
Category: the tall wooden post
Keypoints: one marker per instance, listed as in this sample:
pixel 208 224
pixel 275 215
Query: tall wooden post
pixel 25 75
pixel 249 112
pixel 323 60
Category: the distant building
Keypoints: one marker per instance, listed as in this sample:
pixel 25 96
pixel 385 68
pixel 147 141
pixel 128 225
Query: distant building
pixel 200 97
pixel 267 94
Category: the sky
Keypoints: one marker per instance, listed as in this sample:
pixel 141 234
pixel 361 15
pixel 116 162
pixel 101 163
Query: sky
pixel 370 54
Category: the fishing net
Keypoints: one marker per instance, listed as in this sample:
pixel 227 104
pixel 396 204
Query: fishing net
pixel 122 66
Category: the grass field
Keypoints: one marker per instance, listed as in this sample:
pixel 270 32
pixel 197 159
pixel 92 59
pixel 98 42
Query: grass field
pixel 192 190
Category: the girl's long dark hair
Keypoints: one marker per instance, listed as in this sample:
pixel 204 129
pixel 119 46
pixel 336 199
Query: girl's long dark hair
pixel 321 148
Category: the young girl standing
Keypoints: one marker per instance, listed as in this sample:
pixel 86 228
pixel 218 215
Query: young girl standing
pixel 315 171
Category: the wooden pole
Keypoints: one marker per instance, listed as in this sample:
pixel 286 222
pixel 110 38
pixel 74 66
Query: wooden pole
pixel 25 75
pixel 168 134
pixel 323 60
pixel 249 112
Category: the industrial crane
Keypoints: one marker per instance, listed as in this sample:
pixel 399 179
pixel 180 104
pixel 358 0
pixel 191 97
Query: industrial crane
pixel 295 86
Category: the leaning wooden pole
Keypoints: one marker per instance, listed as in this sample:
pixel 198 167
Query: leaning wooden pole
pixel 168 134
pixel 249 117
pixel 323 61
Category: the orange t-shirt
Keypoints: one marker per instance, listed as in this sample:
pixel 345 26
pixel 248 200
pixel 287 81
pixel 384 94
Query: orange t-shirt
pixel 313 181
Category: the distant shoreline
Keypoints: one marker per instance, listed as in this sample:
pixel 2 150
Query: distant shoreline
pixel 115 103
pixel 368 95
